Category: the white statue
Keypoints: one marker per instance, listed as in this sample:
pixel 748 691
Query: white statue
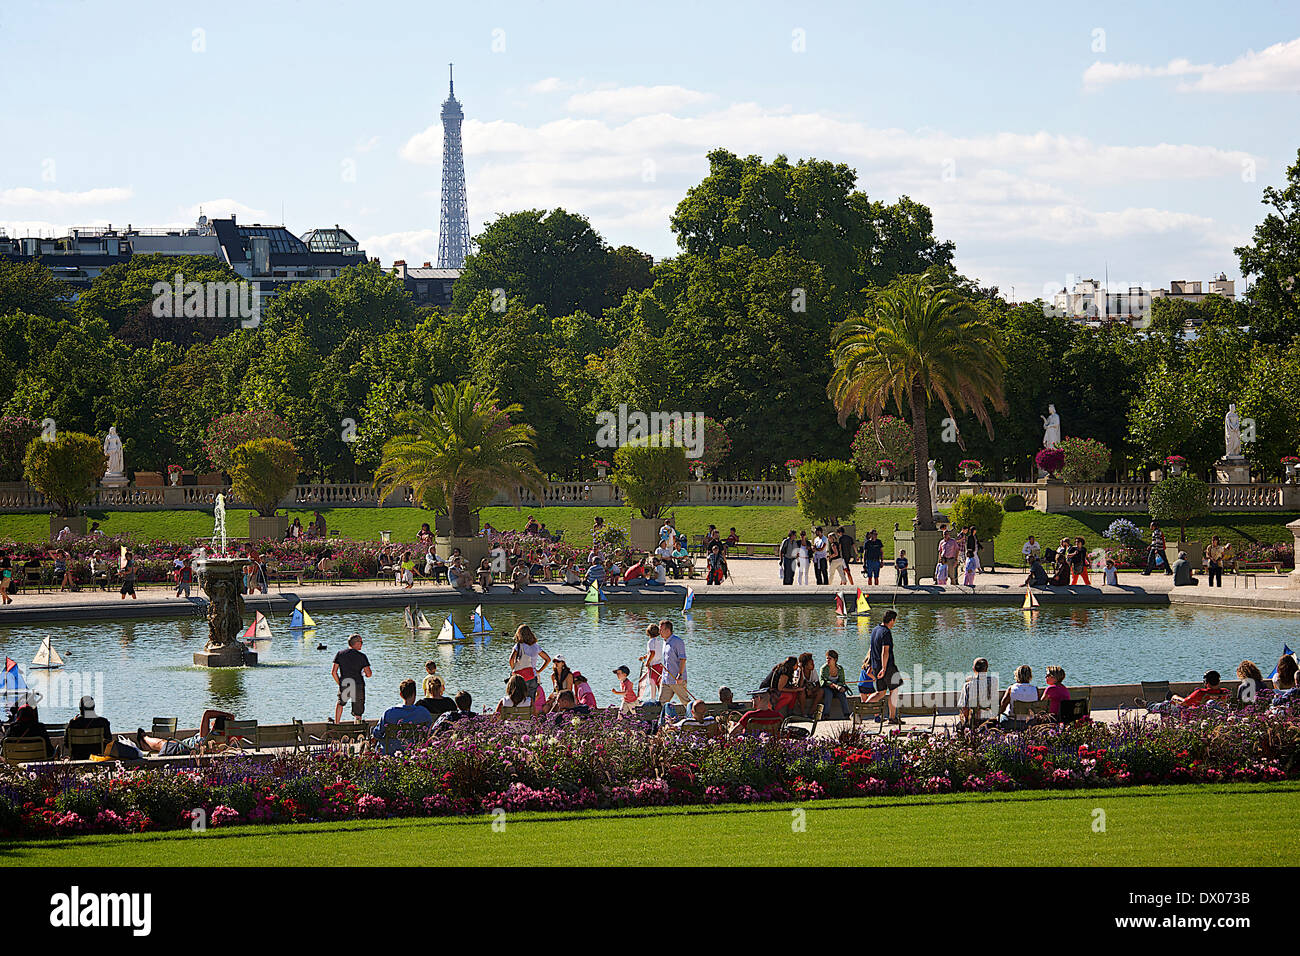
pixel 934 487
pixel 1232 433
pixel 115 473
pixel 1051 428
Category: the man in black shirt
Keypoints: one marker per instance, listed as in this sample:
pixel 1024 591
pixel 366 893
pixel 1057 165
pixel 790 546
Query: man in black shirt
pixel 351 668
pixel 86 719
pixel 437 704
pixel 789 551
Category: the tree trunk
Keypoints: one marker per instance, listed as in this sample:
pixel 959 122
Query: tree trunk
pixel 459 514
pixel 921 460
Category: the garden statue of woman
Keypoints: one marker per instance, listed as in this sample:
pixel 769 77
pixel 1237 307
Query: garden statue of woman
pixel 1232 433
pixel 1051 428
pixel 934 487
pixel 115 473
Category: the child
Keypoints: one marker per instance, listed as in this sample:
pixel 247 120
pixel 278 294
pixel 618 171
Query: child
pixel 625 688
pixel 971 565
pixel 1111 577
pixel 582 691
pixel 941 573
pixel 900 569
pixel 431 675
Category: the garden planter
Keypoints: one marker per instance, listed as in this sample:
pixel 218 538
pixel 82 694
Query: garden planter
pixel 644 533
pixel 473 550
pixel 922 549
pixel 212 478
pixel 148 479
pixel 76 524
pixel 267 529
pixel 1195 551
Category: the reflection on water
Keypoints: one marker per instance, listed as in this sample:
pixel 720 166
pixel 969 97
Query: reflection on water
pixel 143 668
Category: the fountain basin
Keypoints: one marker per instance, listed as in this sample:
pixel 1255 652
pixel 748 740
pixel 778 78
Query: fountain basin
pixel 221 579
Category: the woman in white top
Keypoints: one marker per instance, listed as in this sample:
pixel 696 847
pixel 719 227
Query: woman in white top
pixel 801 555
pixel 654 663
pixel 516 694
pixel 527 660
pixel 1022 689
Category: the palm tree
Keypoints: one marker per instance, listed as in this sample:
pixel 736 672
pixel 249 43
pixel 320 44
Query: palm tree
pixel 918 340
pixel 460 453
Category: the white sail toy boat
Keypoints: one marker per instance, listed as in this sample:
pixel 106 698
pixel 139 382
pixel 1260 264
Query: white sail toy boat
pixel 47 658
pixel 450 633
pixel 259 630
pixel 415 620
pixel 481 625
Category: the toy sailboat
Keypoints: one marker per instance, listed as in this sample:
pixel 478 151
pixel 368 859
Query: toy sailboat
pixel 12 682
pixel 259 630
pixel 47 658
pixel 450 633
pixel 594 595
pixel 1031 602
pixel 481 625
pixel 300 620
pixel 863 607
pixel 690 600
pixel 840 609
pixel 415 620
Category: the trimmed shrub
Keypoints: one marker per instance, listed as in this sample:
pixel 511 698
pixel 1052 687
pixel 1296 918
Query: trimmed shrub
pixel 827 490
pixel 1014 502
pixel 982 511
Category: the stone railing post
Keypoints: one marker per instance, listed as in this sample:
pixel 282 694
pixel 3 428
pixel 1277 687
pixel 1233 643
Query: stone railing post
pixel 1053 496
pixel 1293 579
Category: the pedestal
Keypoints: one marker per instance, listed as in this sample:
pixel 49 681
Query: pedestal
pixel 227 655
pixel 113 479
pixel 1293 579
pixel 1053 496
pixel 1232 471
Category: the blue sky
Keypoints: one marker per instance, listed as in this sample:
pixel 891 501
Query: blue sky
pixel 1048 141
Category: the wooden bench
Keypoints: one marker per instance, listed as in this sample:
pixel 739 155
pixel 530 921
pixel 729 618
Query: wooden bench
pixel 765 549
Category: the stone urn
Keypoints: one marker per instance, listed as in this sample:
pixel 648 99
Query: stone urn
pixel 221 580
pixel 600 471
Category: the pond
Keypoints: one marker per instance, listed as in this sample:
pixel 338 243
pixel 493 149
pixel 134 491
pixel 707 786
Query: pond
pixel 139 669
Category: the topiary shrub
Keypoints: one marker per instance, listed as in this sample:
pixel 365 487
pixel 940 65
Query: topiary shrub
pixel 262 471
pixel 65 468
pixel 827 490
pixel 1180 498
pixel 982 511
pixel 650 473
pixel 1014 502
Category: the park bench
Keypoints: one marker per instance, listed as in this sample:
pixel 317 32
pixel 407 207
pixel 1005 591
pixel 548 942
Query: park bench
pixel 1246 571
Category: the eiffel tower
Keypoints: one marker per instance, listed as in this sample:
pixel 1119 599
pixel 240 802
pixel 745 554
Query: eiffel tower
pixel 453 230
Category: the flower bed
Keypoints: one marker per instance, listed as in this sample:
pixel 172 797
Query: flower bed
pixel 602 763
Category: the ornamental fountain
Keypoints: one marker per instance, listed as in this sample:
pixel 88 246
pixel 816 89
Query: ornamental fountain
pixel 221 578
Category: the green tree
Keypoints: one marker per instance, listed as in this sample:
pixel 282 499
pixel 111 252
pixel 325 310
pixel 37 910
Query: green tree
pixel 121 291
pixel 238 428
pixel 464 448
pixel 1180 498
pixel 982 511
pixel 262 471
pixel 551 258
pixel 917 343
pixel 362 300
pixel 650 473
pixel 16 433
pixel 826 490
pixel 65 469
pixel 810 210
pixel 32 288
pixel 1273 261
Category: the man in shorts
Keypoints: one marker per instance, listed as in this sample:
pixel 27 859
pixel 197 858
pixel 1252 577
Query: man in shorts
pixel 674 678
pixel 882 666
pixel 350 670
pixel 214 722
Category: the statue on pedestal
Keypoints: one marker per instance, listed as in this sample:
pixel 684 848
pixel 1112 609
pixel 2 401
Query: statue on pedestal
pixel 1051 428
pixel 933 475
pixel 115 473
pixel 1232 433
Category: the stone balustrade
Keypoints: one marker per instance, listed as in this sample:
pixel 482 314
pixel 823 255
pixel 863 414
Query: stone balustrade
pixel 1041 496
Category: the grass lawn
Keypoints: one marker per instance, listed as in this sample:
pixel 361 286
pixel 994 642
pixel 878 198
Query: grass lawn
pixel 1216 825
pixel 753 522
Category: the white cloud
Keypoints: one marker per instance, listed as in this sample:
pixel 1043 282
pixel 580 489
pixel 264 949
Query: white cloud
pixel 553 84
pixel 1275 69
pixel 223 209
pixel 416 246
pixel 26 196
pixel 635 100
pixel 366 145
